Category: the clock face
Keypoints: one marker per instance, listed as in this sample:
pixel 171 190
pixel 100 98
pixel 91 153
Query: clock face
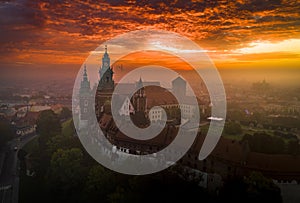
pixel 106 64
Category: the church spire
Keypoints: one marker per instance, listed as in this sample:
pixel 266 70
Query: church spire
pixel 140 88
pixel 85 83
pixel 106 72
pixel 105 55
pixel 84 72
pixel 105 62
pixel 139 84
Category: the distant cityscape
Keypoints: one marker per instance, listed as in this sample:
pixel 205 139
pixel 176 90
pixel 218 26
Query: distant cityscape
pixel 258 112
pixel 235 156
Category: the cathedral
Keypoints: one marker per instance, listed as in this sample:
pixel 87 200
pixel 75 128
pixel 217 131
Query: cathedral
pixel 105 88
pixel 138 107
pixel 106 83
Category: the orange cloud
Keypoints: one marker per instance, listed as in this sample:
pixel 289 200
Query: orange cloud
pixel 146 58
pixel 64 33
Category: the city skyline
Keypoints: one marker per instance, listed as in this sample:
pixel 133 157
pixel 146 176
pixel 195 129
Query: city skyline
pixel 97 95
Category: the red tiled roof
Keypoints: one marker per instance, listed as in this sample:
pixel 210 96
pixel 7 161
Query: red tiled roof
pixel 157 96
pixel 29 119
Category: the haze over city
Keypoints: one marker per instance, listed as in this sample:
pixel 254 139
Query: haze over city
pixel 63 62
pixel 253 38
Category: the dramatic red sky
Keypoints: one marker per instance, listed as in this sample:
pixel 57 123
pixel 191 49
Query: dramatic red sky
pixel 235 34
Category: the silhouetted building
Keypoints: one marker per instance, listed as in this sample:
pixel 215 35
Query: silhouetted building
pixel 84 99
pixel 229 159
pixel 106 84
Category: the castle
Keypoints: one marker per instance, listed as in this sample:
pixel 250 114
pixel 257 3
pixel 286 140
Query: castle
pixel 229 159
pixel 141 103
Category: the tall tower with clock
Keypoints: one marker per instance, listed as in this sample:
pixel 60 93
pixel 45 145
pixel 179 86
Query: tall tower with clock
pixel 106 84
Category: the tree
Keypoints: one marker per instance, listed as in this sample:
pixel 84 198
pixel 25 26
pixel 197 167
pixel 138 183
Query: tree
pixel 264 143
pixel 48 125
pixel 65 140
pixel 68 128
pixel 100 183
pixel 65 175
pixel 254 188
pixel 6 133
pixel 236 115
pixel 262 189
pixel 58 142
pixel 65 113
pixel 293 147
pixel 233 128
pixel 120 195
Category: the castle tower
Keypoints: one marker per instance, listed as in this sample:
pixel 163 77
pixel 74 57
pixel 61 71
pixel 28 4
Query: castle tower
pixel 106 84
pixel 84 96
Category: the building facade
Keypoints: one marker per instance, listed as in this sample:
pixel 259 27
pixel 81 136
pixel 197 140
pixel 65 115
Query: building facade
pixel 84 99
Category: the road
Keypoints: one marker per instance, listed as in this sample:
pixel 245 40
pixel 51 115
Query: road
pixel 9 178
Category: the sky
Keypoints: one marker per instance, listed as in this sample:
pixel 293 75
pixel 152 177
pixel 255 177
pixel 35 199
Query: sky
pixel 236 34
